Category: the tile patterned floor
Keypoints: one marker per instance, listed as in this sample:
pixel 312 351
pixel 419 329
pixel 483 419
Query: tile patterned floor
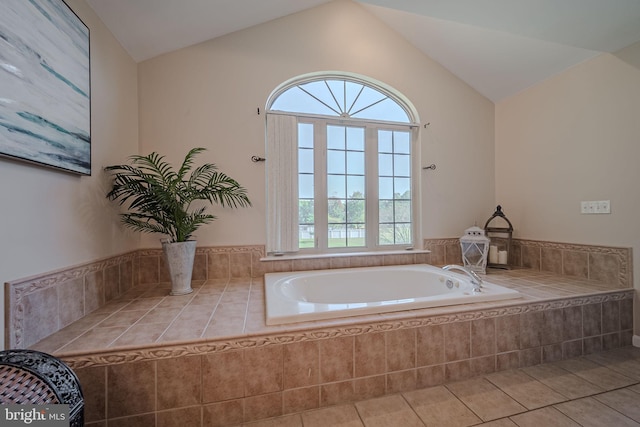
pixel 598 390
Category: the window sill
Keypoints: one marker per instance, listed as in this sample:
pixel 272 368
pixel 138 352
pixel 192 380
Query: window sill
pixel 342 254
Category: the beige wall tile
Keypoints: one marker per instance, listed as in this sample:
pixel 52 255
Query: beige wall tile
pixel 369 354
pixel 263 406
pixel 551 260
pixel 575 263
pixel 483 337
pixel 149 269
pixel 507 333
pixel 93 291
pixel 336 359
pixel 610 316
pixel 41 314
pixel 483 365
pixel 240 265
pixel 510 360
pixel 626 314
pixel 530 356
pixel 182 417
pixel 592 344
pixel 572 349
pixel 430 345
pixel 218 265
pixel 300 399
pixel 457 371
pixel 337 393
pixel 222 376
pixel 263 370
pixel 430 376
pixel 71 300
pixel 112 282
pixel 592 319
pixel 398 382
pixel 145 420
pixel 93 385
pixel 131 389
pixel 572 323
pixel 179 382
pixel 200 267
pixel 552 327
pixel 401 349
pixel 531 257
pixel 530 329
pixel 311 264
pixel 604 268
pixel 551 353
pixel 457 341
pixel 301 364
pixel 228 413
pixel 369 387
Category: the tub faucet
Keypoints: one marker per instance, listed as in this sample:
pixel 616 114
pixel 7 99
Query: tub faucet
pixel 476 281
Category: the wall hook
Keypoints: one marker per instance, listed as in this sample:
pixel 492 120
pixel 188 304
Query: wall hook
pixel 256 159
pixel 432 167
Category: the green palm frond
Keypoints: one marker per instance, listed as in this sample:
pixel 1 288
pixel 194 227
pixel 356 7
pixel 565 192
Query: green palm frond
pixel 159 198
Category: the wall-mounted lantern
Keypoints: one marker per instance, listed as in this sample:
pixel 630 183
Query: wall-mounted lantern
pixel 475 246
pixel 500 237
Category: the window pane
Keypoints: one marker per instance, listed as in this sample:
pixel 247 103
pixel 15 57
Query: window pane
pixel 355 139
pixel 387 110
pixel 385 211
pixel 355 187
pixel 336 186
pixel 355 162
pixel 335 161
pixel 355 211
pixel 401 142
pixel 337 88
pixel 402 211
pixel 385 234
pixel 295 99
pixel 402 234
pixel 335 137
pixel 385 165
pixel 355 236
pixel 305 211
pixel 367 97
pixel 402 188
pixel 305 160
pixel 319 90
pixel 385 188
pixel 305 186
pixel 305 135
pixel 337 236
pixel 401 165
pixel 306 238
pixel 337 211
pixel 385 141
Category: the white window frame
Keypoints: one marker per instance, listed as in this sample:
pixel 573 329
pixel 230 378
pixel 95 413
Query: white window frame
pixel 371 167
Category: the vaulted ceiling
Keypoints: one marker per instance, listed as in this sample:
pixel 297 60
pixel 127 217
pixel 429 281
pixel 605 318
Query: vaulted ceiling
pixel 499 47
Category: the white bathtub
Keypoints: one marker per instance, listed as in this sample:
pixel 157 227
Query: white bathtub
pixel 326 294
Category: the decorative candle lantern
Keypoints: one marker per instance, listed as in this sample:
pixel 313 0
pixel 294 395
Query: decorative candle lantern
pixel 475 246
pixel 500 240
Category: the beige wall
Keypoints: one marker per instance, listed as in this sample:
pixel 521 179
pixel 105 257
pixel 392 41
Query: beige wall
pixel 52 220
pixel 207 95
pixel 571 138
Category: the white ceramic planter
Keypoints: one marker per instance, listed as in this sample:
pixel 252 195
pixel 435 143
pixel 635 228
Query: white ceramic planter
pixel 180 257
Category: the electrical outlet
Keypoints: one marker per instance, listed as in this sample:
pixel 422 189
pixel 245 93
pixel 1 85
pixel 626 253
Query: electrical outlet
pixel 595 207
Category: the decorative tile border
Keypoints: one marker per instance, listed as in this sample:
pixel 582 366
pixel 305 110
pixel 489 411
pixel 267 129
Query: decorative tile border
pixel 195 348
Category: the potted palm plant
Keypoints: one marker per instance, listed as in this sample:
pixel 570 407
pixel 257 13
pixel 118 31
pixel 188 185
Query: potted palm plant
pixel 160 200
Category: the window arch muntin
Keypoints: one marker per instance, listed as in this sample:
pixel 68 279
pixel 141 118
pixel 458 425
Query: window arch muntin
pixel 367 82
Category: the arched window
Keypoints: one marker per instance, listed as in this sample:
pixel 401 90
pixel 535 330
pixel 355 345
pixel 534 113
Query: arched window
pixel 340 156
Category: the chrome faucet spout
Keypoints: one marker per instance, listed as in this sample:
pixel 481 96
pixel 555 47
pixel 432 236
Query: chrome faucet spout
pixel 476 281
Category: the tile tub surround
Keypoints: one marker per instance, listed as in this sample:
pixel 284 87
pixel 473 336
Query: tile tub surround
pixel 239 370
pixel 38 306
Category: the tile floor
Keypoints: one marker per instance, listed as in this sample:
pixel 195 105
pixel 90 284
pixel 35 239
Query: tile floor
pixel 598 390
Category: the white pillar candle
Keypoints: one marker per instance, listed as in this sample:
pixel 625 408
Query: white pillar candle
pixel 502 257
pixel 493 254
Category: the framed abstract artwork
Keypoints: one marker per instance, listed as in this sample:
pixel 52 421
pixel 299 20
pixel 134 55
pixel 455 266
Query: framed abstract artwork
pixel 45 85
